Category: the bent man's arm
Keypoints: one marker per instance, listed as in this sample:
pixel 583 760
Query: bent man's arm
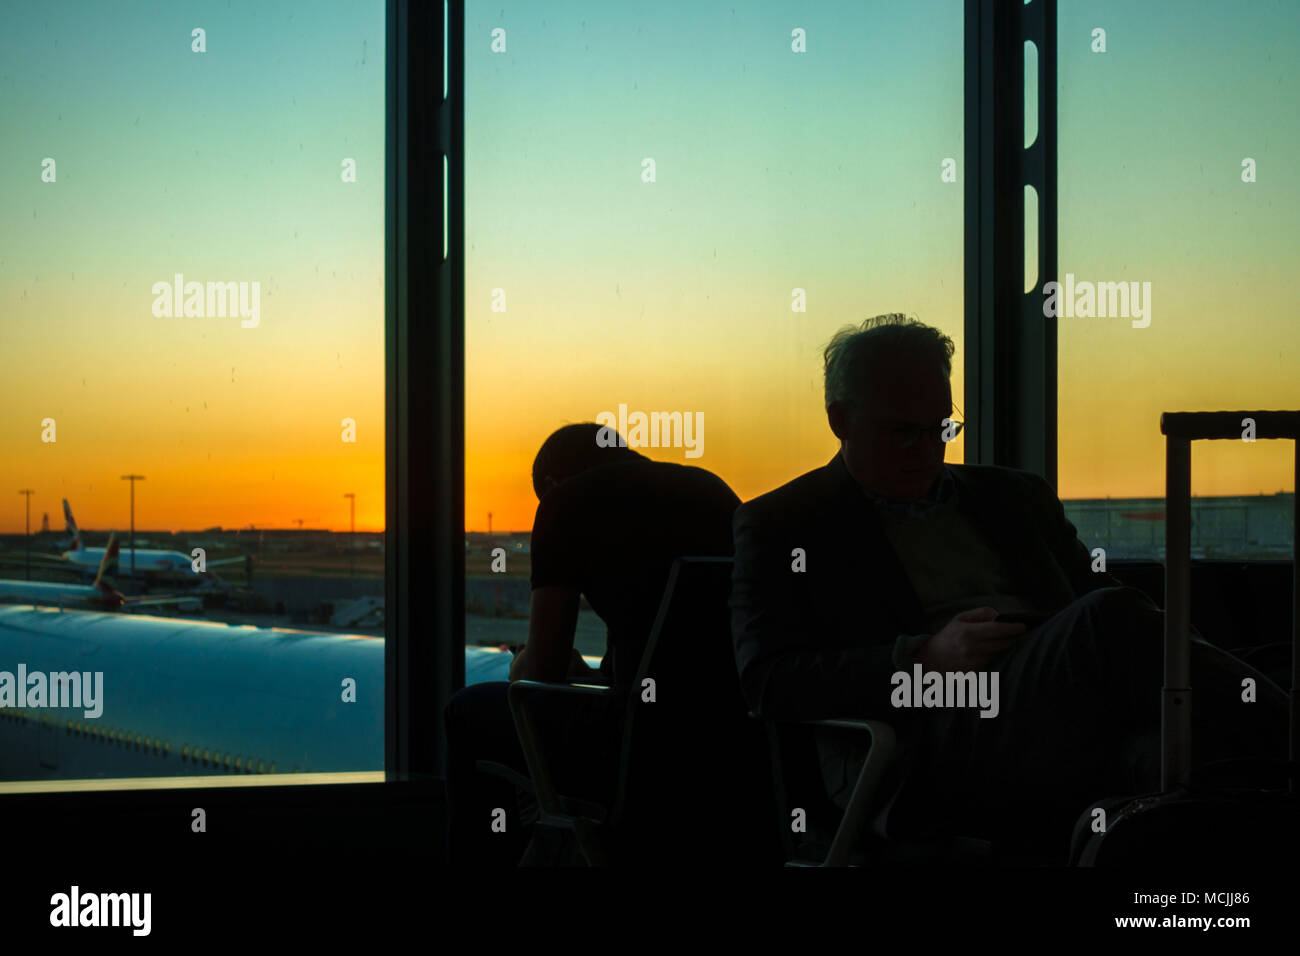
pixel 787 670
pixel 552 622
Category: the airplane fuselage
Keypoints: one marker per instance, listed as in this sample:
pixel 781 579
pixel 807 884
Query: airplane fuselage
pixel 146 562
pixel 195 697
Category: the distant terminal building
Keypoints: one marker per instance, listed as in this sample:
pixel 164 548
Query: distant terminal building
pixel 1252 527
pixel 514 542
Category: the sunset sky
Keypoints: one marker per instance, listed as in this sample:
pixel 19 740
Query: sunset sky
pixel 774 171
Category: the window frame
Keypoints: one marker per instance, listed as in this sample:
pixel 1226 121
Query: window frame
pixel 424 651
pixel 1011 348
pixel 1010 373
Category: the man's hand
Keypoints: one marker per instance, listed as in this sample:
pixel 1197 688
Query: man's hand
pixel 968 641
pixel 579 670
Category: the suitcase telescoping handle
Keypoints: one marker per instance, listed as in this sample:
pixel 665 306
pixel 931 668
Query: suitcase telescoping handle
pixel 1180 430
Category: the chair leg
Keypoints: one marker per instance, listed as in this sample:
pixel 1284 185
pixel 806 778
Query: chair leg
pixel 779 791
pixel 883 747
pixel 589 842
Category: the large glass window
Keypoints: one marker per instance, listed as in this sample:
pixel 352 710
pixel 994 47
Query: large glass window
pixel 193 271
pixel 1178 240
pixel 673 210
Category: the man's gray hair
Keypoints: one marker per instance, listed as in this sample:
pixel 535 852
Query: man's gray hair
pixel 857 351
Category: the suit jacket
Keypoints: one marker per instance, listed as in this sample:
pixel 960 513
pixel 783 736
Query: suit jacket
pixel 819 643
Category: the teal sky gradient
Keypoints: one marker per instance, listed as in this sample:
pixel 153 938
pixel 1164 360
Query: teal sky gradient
pixel 775 170
pixel 223 166
pixel 1152 136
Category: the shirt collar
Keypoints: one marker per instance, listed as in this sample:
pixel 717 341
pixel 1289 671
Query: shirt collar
pixel 939 494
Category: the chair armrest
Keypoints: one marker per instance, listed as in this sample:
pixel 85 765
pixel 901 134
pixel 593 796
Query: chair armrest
pixel 508 773
pixel 523 696
pixel 881 755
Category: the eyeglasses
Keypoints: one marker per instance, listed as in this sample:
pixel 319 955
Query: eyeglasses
pixel 908 434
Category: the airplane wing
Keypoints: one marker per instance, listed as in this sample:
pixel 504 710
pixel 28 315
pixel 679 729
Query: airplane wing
pixel 162 600
pixel 218 562
pixel 19 556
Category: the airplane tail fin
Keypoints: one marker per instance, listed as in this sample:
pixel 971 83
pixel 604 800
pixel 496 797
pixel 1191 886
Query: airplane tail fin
pixel 111 597
pixel 110 555
pixel 71 526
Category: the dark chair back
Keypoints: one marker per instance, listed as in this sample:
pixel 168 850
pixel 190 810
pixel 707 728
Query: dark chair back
pixel 696 773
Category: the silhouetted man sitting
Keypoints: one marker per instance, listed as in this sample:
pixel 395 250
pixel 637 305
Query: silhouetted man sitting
pixel 887 558
pixel 610 522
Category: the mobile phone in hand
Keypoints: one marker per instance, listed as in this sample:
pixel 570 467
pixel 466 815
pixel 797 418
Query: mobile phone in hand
pixel 1027 618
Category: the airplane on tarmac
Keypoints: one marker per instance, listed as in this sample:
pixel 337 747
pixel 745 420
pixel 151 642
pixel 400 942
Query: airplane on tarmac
pixel 99 595
pixel 150 563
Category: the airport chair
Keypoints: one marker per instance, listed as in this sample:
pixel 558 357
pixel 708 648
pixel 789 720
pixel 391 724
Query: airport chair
pixel 791 745
pixel 676 755
pixel 881 756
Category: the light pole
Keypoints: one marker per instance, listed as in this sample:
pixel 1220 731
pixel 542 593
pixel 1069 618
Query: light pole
pixel 28 492
pixel 133 479
pixel 353 533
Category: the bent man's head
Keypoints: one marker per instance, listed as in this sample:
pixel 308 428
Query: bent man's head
pixel 887 391
pixel 574 449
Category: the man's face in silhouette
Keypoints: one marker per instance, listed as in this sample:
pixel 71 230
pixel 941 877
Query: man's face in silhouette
pixel 901 392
